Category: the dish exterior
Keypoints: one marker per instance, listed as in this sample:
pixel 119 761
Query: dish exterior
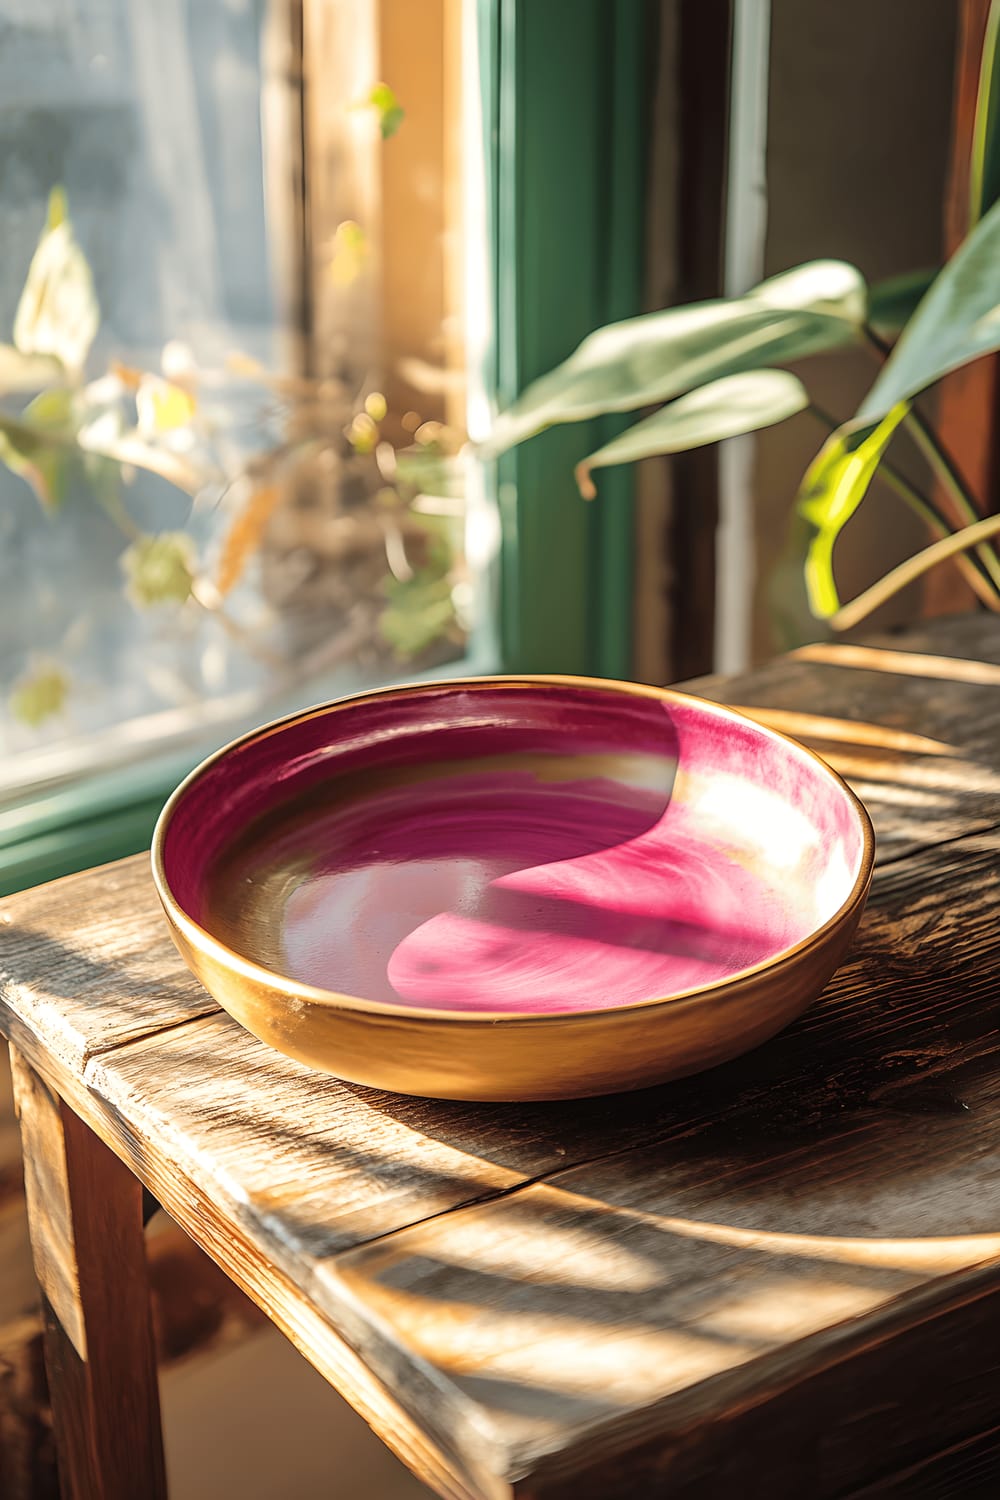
pixel 513 888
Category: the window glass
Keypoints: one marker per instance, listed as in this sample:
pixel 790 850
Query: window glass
pixel 233 476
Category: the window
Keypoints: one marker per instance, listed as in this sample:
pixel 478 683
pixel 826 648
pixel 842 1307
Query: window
pixel 305 244
pixel 234 385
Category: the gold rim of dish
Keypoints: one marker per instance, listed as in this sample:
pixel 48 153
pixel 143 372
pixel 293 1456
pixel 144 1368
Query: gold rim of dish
pixel 204 941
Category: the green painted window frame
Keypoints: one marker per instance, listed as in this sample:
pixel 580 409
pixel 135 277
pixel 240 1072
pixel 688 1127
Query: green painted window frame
pixel 566 90
pixel 86 823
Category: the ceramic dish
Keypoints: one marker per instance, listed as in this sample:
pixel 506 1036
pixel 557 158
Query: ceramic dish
pixel 513 888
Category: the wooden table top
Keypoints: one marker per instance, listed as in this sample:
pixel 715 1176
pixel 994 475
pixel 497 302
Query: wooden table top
pixel 787 1270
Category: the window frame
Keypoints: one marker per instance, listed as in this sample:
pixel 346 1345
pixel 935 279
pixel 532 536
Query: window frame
pixel 566 90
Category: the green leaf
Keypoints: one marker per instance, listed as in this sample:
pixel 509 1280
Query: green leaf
pixel 159 569
pixel 957 321
pixel 27 447
pixel 58 208
pixel 349 255
pixel 104 481
pixel 30 450
pixel 722 409
pixel 418 612
pixel 58 313
pixel 390 112
pixel 792 621
pixel 435 550
pixel 984 162
pixel 892 303
pixel 51 410
pixel 390 120
pixel 127 446
pixel 430 470
pixel 163 406
pixel 651 358
pixel 25 372
pixel 834 486
pixel 39 695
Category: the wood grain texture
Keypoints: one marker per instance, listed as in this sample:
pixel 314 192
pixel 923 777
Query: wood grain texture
pixel 767 1221
pixel 415 1417
pixel 970 1469
pixel 197 1311
pixel 85 1219
pixel 782 1274
pixel 807 1187
pixel 87 962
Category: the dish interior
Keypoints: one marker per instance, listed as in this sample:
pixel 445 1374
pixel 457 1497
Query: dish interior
pixel 512 847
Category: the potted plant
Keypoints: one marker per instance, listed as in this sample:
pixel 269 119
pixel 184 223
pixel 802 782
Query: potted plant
pixel 717 369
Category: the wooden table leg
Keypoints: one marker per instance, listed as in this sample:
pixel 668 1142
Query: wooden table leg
pixel 85 1217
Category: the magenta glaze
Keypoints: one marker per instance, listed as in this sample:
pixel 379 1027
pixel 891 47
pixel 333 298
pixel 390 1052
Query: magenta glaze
pixel 513 848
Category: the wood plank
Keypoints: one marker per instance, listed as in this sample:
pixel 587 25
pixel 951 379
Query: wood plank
pixel 798 1208
pixel 87 962
pixel 430 1443
pixel 907 1391
pixel 85 1219
pixel 828 1163
pixel 294 1146
pixel 970 1469
pixel 196 1310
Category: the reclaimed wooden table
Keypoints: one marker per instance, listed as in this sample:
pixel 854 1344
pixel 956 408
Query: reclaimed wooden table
pixel 779 1278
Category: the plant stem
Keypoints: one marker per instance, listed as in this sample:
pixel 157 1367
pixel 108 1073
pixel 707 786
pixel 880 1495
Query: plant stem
pixel 914 568
pixel 930 444
pixel 942 466
pixel 918 503
pixel 939 461
pixel 882 349
pixel 975 576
